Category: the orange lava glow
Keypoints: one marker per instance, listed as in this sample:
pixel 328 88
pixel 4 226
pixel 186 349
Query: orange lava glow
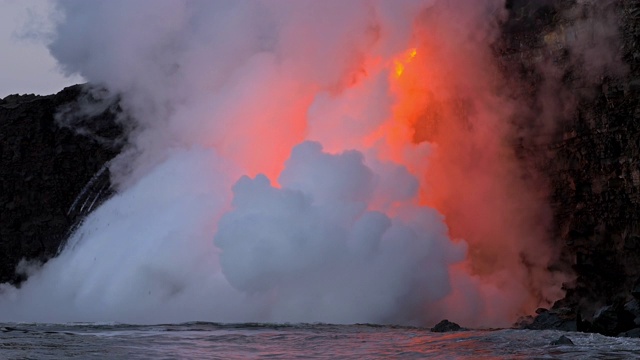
pixel 444 98
pixel 408 57
pixel 448 126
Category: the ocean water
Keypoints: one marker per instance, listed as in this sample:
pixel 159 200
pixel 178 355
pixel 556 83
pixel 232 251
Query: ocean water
pixel 304 341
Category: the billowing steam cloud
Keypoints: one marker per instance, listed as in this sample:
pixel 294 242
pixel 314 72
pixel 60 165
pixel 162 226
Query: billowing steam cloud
pixel 291 161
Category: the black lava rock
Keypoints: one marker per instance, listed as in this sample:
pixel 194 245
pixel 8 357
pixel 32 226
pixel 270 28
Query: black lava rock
pixel 635 291
pixel 45 162
pixel 446 326
pixel 633 333
pixel 612 320
pixel 562 340
pixel 561 319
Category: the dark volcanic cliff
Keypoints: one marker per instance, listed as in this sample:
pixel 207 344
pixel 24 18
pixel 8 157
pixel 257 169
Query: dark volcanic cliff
pixel 582 59
pixel 43 169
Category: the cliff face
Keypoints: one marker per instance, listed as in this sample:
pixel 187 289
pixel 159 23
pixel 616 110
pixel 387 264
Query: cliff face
pixel 43 168
pixel 595 178
pixel 589 148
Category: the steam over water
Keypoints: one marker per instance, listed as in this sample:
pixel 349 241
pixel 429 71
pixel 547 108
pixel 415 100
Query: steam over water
pixel 299 161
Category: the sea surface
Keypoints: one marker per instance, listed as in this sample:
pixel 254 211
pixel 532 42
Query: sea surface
pixel 305 341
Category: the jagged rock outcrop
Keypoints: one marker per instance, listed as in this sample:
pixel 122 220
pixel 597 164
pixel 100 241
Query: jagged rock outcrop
pixel 560 319
pixel 44 166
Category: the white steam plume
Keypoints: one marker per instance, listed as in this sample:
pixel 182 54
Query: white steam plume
pixel 271 175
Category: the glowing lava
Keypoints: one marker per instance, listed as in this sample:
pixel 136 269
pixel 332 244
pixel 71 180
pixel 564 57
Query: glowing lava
pixel 400 64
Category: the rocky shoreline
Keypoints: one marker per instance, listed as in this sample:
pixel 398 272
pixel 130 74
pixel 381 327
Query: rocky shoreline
pixel 52 173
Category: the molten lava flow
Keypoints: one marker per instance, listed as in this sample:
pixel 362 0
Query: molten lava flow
pixel 400 64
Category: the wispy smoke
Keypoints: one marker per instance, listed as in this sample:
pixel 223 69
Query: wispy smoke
pixel 291 161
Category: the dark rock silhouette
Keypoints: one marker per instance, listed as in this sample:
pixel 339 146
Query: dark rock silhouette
pixel 44 165
pixel 557 320
pixel 633 333
pixel 635 291
pixel 446 326
pixel 562 340
pixel 612 320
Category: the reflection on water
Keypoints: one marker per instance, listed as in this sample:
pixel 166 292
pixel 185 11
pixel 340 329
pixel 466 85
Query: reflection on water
pixel 253 341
